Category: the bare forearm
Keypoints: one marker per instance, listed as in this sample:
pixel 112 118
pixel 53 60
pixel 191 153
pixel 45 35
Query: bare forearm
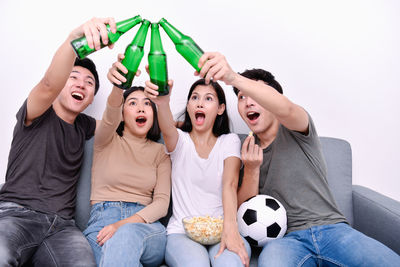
pixel 263 94
pixel 229 188
pixel 46 91
pixel 289 114
pixel 249 187
pixel 61 66
pixel 229 198
pixel 167 126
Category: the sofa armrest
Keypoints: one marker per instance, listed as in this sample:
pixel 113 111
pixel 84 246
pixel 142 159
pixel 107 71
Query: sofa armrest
pixel 377 216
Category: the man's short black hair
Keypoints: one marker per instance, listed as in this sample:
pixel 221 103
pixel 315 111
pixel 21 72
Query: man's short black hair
pixel 263 75
pixel 88 64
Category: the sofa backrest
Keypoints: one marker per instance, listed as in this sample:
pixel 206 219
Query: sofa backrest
pixel 338 159
pixel 337 154
pixel 82 209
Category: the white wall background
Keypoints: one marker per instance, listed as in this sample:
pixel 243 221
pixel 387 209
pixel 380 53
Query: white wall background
pixel 338 59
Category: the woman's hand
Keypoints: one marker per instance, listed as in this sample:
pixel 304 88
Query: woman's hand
pixel 114 73
pixel 107 232
pixel 232 241
pixel 151 92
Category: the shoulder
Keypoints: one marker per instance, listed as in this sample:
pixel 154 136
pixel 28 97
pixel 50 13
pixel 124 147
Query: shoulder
pixel 183 137
pixel 158 150
pixel 83 118
pixel 87 123
pixel 229 138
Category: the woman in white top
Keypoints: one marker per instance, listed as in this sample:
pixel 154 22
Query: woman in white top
pixel 205 168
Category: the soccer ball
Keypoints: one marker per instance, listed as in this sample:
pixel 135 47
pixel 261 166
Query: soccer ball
pixel 260 219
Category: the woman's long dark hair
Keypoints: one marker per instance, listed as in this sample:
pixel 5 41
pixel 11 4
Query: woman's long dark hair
pixel 221 124
pixel 154 132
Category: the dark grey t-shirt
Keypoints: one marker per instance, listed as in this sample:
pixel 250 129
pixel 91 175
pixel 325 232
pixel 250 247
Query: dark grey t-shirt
pixel 294 172
pixel 44 162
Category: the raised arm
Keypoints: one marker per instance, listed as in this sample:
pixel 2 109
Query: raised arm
pixel 46 91
pixel 292 116
pixel 165 118
pixel 113 113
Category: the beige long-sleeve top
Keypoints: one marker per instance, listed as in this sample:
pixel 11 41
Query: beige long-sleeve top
pixel 129 168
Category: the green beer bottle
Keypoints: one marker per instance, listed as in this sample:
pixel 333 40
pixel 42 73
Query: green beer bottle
pixel 82 48
pixel 158 61
pixel 183 44
pixel 133 55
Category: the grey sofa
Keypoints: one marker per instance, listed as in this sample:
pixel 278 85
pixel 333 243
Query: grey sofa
pixel 366 210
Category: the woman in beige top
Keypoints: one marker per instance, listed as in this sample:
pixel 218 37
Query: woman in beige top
pixel 130 181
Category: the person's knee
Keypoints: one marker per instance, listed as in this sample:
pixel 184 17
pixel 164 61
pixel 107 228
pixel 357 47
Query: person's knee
pixel 273 253
pixel 127 234
pixel 11 253
pixel 182 252
pixel 227 259
pixel 6 256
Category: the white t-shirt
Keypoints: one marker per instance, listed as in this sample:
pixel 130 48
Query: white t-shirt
pixel 197 182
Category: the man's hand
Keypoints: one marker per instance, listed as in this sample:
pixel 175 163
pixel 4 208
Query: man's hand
pixel 93 30
pixel 214 66
pixel 252 154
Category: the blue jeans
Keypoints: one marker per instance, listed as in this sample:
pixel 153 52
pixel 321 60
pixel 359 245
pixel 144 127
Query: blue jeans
pixel 133 244
pixel 40 239
pixel 182 251
pixel 327 245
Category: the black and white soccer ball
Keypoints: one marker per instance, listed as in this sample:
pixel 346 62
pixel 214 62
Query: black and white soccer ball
pixel 260 219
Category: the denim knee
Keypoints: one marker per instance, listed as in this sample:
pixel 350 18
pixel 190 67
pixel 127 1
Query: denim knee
pixel 134 242
pixel 6 258
pixel 182 251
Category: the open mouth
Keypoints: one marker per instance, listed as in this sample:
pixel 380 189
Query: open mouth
pixel 252 116
pixel 200 117
pixel 141 120
pixel 78 96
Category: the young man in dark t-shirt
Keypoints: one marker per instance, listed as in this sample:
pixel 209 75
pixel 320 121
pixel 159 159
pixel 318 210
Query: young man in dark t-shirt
pixel 284 160
pixel 37 201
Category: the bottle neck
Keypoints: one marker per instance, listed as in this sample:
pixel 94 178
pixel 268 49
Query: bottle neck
pixel 126 25
pixel 172 32
pixel 140 37
pixel 156 43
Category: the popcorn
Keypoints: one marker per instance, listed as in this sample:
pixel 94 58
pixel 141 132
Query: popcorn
pixel 250 133
pixel 205 230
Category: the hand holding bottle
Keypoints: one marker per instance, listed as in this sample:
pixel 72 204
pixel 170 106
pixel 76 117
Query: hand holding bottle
pixel 151 91
pixel 114 73
pixel 89 40
pixel 93 30
pixel 215 66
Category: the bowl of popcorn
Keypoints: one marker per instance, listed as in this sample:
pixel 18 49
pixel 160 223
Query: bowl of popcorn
pixel 205 230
